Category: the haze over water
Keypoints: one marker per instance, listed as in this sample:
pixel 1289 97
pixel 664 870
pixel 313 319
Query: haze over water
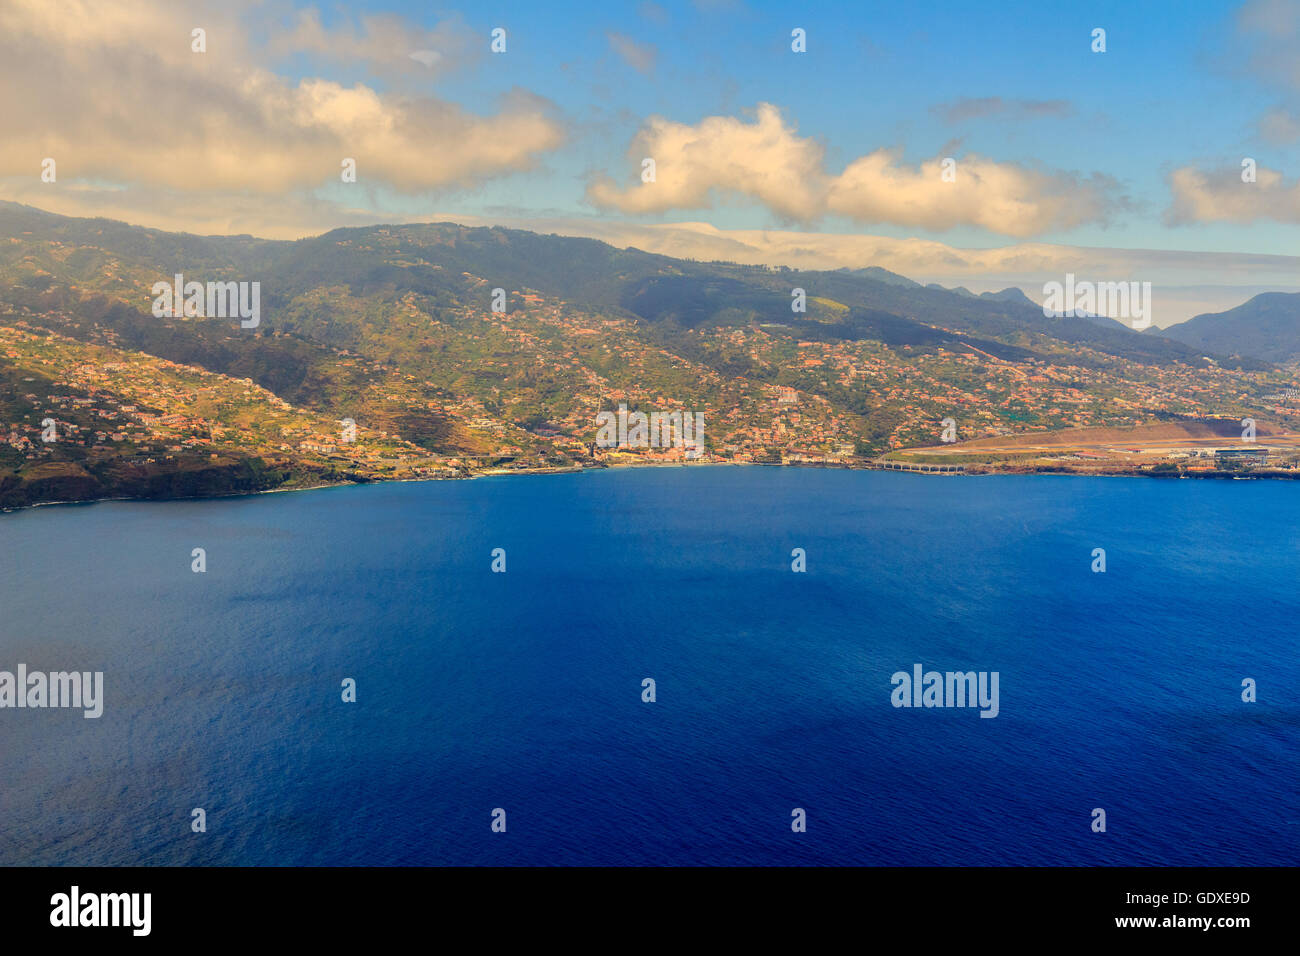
pixel 522 690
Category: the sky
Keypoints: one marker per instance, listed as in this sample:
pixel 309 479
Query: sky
pixel 1116 165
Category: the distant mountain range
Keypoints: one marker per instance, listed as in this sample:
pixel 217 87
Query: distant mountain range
pixel 396 330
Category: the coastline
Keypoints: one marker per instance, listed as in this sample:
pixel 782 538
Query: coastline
pixel 975 471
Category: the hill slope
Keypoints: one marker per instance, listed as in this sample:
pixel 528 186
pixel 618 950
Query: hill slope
pixel 1267 328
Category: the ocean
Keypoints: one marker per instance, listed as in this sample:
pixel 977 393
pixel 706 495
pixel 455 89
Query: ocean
pixel 522 691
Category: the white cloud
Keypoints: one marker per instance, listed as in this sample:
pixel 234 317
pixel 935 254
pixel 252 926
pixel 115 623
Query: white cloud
pixel 1220 196
pixel 1001 197
pixel 763 159
pixel 112 91
pixel 766 160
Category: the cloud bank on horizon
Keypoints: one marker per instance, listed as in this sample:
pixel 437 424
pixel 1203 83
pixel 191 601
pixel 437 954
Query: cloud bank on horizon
pixel 788 133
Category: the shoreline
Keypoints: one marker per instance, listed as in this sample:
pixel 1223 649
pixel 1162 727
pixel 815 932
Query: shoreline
pixel 561 470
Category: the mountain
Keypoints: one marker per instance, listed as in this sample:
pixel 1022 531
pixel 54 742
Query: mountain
pixel 960 290
pixel 434 259
pixel 453 350
pixel 1266 327
pixel 1105 321
pixel 1010 294
pixel 883 275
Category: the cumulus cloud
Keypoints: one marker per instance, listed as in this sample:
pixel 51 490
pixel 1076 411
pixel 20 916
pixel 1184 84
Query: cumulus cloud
pixel 766 160
pixel 1001 197
pixel 970 108
pixel 763 159
pixel 639 56
pixel 1221 196
pixel 112 91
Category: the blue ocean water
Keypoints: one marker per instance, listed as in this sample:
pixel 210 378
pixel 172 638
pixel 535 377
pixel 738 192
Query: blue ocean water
pixel 522 690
